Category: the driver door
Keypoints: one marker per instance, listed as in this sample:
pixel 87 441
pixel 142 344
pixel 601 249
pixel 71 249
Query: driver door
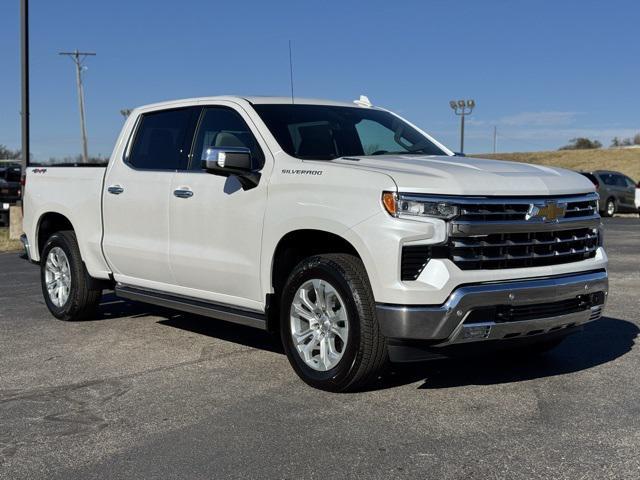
pixel 216 227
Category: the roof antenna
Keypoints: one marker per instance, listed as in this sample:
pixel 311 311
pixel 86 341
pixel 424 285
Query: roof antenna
pixel 291 72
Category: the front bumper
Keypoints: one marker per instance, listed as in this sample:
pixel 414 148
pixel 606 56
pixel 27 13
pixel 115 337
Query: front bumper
pixel 459 319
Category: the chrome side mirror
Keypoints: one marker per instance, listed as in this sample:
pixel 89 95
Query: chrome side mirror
pixel 228 161
pixel 232 158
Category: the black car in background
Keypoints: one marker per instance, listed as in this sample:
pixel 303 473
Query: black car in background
pixel 10 188
pixel 617 192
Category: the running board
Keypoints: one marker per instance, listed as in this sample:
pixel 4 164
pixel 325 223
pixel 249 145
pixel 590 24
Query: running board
pixel 192 305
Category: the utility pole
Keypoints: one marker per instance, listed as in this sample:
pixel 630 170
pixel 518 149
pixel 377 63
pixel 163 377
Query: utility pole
pixel 495 139
pixel 24 58
pixel 462 108
pixel 78 58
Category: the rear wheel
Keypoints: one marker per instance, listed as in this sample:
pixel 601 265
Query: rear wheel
pixel 69 291
pixel 328 325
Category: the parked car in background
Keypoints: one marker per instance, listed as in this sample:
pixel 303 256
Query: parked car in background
pixel 10 189
pixel 617 192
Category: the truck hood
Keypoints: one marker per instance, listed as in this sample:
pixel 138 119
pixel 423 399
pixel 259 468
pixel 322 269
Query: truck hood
pixel 471 176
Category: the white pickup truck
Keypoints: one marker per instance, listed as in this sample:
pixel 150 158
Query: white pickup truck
pixel 345 228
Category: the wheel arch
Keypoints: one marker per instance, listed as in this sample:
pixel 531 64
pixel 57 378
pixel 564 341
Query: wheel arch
pixel 292 248
pixel 48 224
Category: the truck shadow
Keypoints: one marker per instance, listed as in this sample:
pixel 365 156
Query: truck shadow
pixel 600 342
pixel 112 307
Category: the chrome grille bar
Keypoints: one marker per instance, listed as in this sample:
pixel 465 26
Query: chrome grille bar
pixel 487 215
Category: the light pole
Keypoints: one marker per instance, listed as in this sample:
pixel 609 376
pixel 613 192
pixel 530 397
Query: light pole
pixel 462 108
pixel 24 57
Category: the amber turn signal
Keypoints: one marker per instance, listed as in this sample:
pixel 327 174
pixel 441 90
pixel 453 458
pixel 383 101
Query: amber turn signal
pixel 389 202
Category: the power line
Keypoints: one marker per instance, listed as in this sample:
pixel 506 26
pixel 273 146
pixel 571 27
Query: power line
pixel 78 58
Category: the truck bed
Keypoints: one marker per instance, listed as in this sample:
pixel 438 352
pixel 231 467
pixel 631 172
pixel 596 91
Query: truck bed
pixel 75 193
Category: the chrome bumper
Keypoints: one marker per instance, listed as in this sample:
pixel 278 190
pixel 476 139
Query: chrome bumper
pixel 445 324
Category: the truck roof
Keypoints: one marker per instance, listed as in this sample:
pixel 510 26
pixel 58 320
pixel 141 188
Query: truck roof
pixel 256 100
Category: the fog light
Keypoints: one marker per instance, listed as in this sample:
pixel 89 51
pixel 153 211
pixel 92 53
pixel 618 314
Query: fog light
pixel 476 331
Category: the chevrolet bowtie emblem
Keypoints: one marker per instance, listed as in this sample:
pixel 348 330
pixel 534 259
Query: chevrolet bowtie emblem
pixel 549 211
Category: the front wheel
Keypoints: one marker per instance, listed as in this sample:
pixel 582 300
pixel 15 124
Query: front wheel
pixel 609 208
pixel 328 324
pixel 69 292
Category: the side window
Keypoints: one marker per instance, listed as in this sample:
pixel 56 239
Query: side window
pixel 159 140
pixel 607 179
pixel 630 182
pixel 619 180
pixel 223 127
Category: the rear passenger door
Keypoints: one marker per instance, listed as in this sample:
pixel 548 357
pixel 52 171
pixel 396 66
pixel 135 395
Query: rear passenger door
pixel 216 229
pixel 137 195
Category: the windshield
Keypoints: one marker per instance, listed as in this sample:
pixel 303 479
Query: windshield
pixel 322 132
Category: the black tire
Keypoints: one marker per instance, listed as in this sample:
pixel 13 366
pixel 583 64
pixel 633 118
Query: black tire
pixel 610 202
pixel 365 353
pixel 84 293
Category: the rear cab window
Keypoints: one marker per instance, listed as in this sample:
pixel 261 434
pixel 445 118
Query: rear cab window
pixel 160 138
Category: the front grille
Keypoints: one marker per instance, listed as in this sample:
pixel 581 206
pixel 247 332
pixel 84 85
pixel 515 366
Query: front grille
pixel 504 250
pixel 513 209
pixel 517 250
pixel 515 232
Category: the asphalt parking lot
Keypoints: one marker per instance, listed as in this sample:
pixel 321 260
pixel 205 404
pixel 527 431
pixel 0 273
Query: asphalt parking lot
pixel 143 392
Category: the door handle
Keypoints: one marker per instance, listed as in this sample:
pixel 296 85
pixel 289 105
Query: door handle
pixel 115 189
pixel 183 193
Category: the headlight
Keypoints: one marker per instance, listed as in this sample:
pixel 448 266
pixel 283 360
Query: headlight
pixel 412 206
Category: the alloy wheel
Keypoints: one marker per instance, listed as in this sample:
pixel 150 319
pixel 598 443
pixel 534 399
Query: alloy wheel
pixel 58 276
pixel 319 324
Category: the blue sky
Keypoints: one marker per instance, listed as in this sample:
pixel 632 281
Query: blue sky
pixel 542 71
